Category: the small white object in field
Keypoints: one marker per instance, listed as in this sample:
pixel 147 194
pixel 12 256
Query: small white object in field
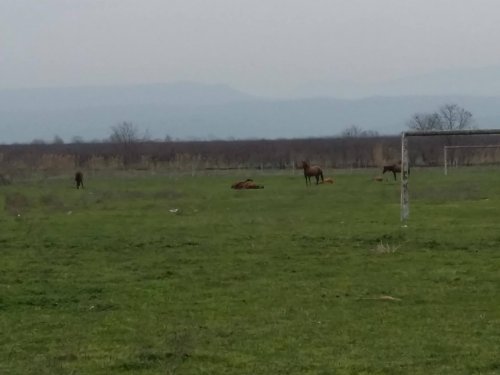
pixel 174 210
pixel 383 298
pixel 389 298
pixel 69 212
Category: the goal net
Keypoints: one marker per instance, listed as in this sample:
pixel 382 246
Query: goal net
pixel 459 188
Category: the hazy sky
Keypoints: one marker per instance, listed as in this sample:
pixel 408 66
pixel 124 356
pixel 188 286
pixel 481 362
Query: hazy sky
pixel 266 47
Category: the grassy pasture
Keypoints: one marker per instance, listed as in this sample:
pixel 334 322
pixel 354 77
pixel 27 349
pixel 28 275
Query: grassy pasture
pixel 182 275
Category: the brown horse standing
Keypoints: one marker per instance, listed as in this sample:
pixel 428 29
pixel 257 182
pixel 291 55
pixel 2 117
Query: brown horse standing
pixel 79 179
pixel 312 171
pixel 394 168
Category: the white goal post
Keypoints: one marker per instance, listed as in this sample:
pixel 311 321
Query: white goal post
pixel 405 199
pixel 446 148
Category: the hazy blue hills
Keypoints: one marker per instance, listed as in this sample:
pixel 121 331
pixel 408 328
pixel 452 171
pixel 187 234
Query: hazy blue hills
pixel 174 94
pixel 197 111
pixel 484 81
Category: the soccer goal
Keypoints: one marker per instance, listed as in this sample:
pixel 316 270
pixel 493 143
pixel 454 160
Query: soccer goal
pixel 405 198
pixel 446 148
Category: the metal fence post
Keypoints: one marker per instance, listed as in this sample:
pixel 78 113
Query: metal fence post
pixel 445 160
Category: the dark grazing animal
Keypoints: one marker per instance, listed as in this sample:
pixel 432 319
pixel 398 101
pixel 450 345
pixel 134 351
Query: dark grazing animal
pixel 247 184
pixel 310 171
pixel 394 168
pixel 79 179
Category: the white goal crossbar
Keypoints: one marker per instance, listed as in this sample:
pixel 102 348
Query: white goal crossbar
pixel 405 199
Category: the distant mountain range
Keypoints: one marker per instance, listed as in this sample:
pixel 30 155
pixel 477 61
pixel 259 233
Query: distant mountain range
pixel 483 81
pixel 198 111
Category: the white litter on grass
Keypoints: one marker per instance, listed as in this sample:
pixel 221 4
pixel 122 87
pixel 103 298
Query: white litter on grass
pixel 383 298
pixel 174 210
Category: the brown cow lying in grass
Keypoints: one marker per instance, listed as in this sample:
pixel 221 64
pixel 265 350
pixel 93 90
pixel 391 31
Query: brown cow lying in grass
pixel 327 181
pixel 247 184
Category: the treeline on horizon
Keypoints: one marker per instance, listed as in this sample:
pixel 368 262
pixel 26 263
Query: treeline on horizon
pixel 335 152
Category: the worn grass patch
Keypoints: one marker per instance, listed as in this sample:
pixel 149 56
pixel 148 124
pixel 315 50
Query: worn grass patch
pixel 182 275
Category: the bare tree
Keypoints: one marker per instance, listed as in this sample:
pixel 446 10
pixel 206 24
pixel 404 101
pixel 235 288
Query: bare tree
pixel 57 140
pixel 370 133
pixel 454 117
pixel 354 131
pixel 124 133
pixel 351 131
pixel 77 139
pixel 126 137
pixel 449 117
pixel 425 121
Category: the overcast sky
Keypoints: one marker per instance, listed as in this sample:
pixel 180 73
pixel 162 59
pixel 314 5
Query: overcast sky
pixel 266 47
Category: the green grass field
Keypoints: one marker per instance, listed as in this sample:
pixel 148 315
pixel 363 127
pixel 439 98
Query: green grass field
pixel 285 280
